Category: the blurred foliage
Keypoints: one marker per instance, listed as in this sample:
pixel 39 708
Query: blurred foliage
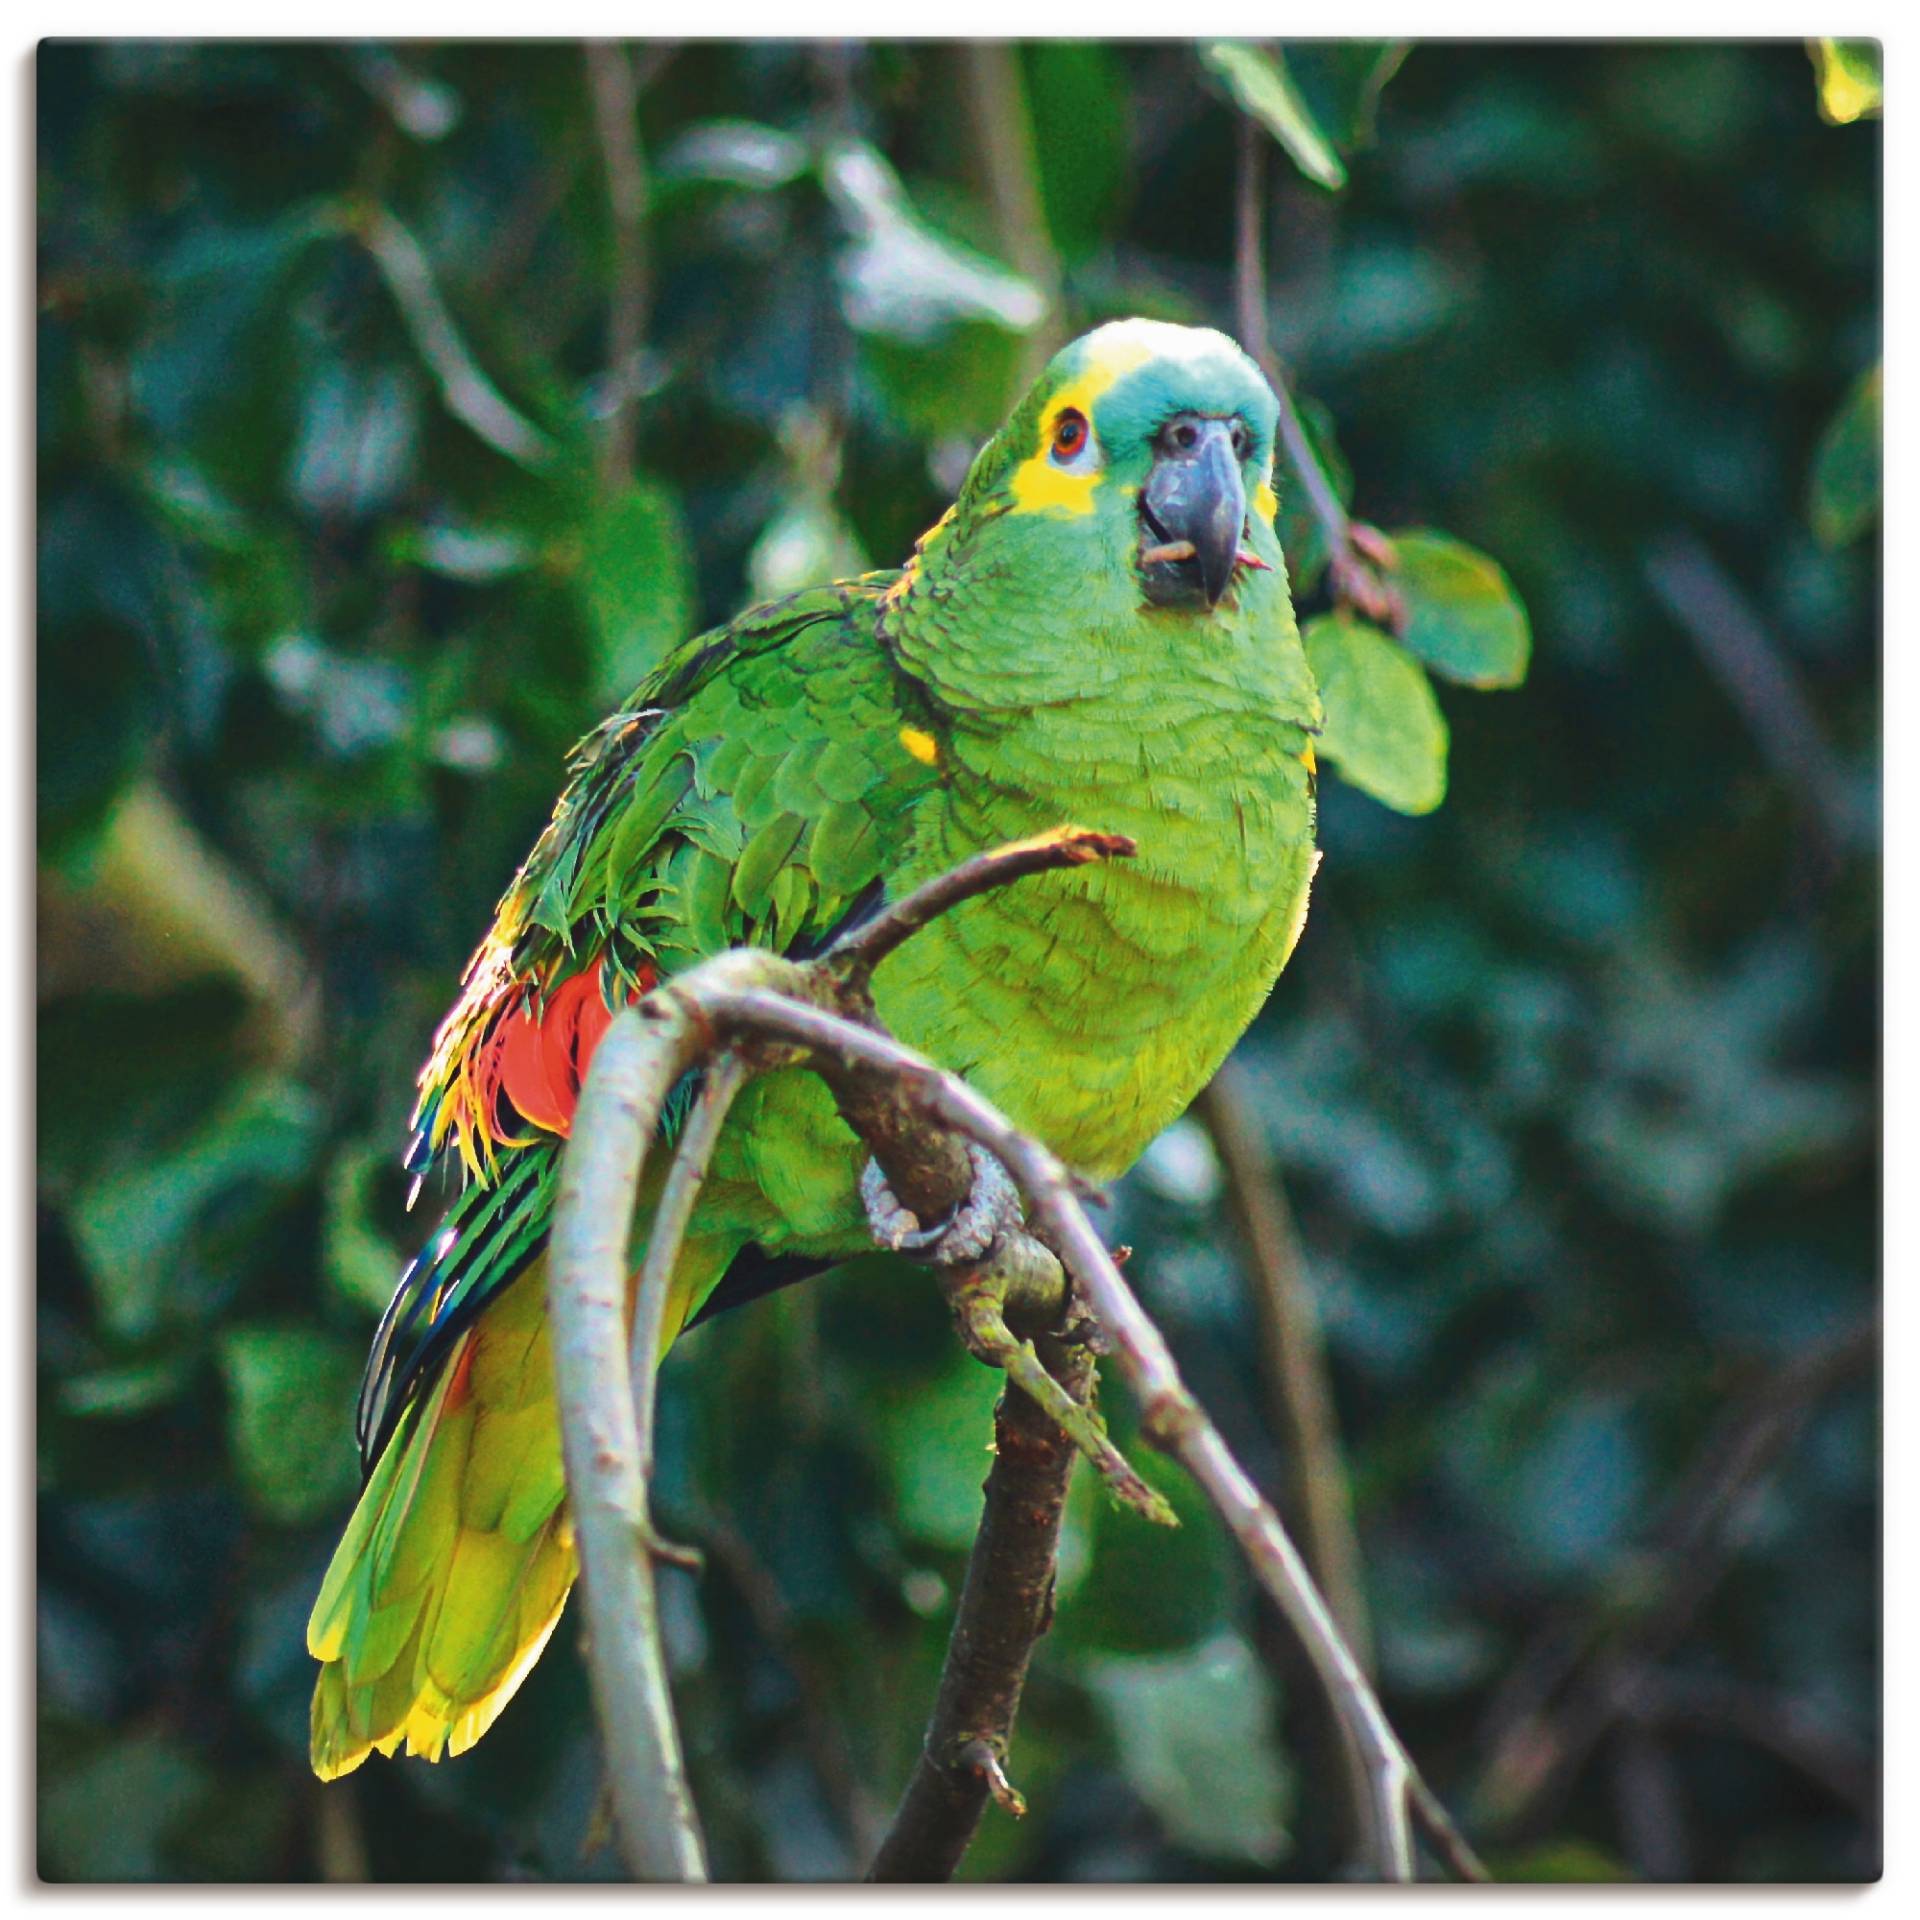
pixel 1574 1082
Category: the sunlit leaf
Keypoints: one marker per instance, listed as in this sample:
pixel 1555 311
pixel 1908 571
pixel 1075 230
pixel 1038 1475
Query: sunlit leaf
pixel 1844 494
pixel 1384 732
pixel 637 580
pixel 1195 1735
pixel 899 277
pixel 736 153
pixel 1463 617
pixel 289 1418
pixel 1262 86
pixel 1847 75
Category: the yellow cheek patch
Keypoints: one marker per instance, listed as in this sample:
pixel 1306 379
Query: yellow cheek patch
pixel 1038 486
pixel 1265 501
pixel 1307 759
pixel 923 746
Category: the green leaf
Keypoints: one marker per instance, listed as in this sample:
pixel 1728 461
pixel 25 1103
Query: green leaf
pixel 1262 86
pixel 1341 82
pixel 289 1418
pixel 1195 1736
pixel 637 582
pixel 1847 76
pixel 1463 617
pixel 1384 729
pixel 936 1439
pixel 361 1263
pixel 1844 493
pixel 111 1816
pixel 135 1227
pixel 1149 1590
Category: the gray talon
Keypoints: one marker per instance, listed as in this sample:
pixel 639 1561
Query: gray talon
pixel 994 1203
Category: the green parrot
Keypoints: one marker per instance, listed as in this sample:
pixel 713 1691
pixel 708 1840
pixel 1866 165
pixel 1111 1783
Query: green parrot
pixel 1097 631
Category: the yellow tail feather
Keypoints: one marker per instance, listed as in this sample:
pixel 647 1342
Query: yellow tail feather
pixel 455 1566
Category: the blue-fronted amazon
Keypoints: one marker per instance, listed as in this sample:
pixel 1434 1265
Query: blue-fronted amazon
pixel 1098 631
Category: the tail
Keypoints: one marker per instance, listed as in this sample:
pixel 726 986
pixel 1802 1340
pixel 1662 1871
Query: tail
pixel 454 1568
pixel 457 1561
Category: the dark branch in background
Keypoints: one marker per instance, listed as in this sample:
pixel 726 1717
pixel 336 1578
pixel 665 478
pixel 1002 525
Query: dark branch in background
pixel 771 1012
pixel 996 99
pixel 1292 1354
pixel 1356 552
pixel 1761 681
pixel 1319 1494
pixel 729 1550
pixel 1580 1679
pixel 616 115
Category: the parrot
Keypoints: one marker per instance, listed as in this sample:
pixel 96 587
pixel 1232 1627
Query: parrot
pixel 1098 630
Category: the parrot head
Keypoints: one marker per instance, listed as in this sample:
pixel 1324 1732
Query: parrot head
pixel 1155 440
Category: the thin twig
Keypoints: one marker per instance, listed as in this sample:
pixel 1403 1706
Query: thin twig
pixel 616 105
pixel 1574 1685
pixel 826 1741
pixel 469 395
pixel 1759 678
pixel 1355 551
pixel 857 953
pixel 1293 1361
pixel 667 1232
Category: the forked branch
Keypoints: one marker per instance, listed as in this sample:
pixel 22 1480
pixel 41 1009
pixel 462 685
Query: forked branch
pixel 749 1011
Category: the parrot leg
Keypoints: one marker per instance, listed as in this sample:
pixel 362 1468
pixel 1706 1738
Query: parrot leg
pixel 981 1294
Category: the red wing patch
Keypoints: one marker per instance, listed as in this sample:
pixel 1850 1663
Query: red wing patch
pixel 520 1060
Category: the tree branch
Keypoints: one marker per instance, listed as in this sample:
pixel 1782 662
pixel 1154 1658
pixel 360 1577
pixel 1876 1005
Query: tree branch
pixel 633 1070
pixel 616 105
pixel 770 1011
pixel 1005 1605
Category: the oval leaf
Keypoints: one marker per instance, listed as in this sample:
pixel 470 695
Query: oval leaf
pixel 1844 495
pixel 1463 617
pixel 637 581
pixel 1262 86
pixel 1384 729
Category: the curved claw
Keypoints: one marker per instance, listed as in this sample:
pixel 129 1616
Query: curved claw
pixel 992 1205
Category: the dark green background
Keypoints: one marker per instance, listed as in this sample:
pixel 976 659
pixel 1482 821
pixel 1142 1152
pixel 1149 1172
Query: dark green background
pixel 1573 1082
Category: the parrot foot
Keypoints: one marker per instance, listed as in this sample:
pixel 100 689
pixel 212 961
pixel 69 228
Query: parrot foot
pixel 964 1235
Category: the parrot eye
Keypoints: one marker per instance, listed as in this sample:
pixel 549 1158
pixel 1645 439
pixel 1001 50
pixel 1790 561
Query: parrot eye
pixel 1242 440
pixel 1070 436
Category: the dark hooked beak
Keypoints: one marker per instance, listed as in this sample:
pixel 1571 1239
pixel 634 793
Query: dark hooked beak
pixel 1194 499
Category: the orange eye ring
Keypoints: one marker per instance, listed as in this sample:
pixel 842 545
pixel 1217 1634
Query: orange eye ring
pixel 1069 434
